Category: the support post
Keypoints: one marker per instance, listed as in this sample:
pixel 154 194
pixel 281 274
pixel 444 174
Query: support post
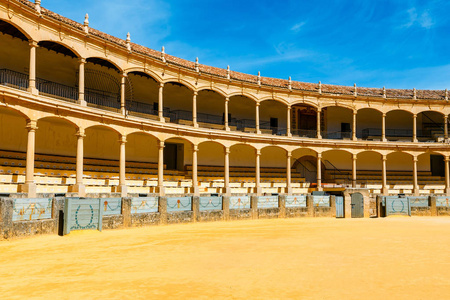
pixel 446 128
pixel 81 75
pixel 122 188
pixel 447 176
pixel 32 76
pixel 318 134
pixel 227 189
pixel 383 128
pixel 288 173
pixel 355 112
pixel 79 186
pixel 288 122
pixel 123 109
pixel 354 158
pixel 385 190
pixel 319 171
pixel 29 186
pixel 226 121
pixel 161 169
pixel 414 128
pixel 194 110
pixel 161 103
pixel 195 189
pixel 258 172
pixel 258 130
pixel 416 184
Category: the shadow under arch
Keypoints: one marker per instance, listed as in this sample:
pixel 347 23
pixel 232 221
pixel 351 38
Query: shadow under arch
pixel 13 30
pixel 59 47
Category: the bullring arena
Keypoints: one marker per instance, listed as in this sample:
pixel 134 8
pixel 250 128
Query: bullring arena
pixel 100 133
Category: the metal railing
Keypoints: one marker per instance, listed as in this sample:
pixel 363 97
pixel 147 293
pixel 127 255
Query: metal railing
pixel 337 135
pixel 56 89
pixel 14 79
pixel 396 133
pixel 101 98
pixel 140 107
pixel 309 133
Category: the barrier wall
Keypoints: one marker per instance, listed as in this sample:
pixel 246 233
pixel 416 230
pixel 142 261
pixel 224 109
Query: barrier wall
pixel 21 217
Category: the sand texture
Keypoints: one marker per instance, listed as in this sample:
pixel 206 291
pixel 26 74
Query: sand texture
pixel 320 258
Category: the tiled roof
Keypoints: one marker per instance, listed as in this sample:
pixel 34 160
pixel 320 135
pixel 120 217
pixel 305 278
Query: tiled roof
pixel 265 81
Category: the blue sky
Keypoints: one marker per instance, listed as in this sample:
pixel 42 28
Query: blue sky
pixel 373 43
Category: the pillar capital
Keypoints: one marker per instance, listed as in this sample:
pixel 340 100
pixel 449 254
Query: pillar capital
pixel 414 115
pixel 227 150
pixel 258 104
pixel 384 157
pixel 383 115
pixel 123 139
pixel 258 152
pixel 447 158
pixel 354 156
pixel 355 112
pixel 415 159
pixel 32 125
pixel 80 133
pixel 82 60
pixel 33 43
pixel 289 107
pixel 195 93
pixel 227 99
pixel 161 144
pixel 161 84
pixel 319 155
pixel 124 75
pixel 195 148
pixel 289 154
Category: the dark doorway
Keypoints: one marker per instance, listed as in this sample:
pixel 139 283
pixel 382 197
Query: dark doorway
pixel 345 130
pixel 437 165
pixel 274 125
pixel 171 156
pixel 357 205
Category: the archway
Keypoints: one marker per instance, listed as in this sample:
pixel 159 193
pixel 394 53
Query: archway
pixel 14 45
pixel 273 117
pixel 338 167
pixel 210 109
pixel 141 152
pixel 399 125
pixel 242 112
pixel 56 71
pixel 178 103
pixel 338 123
pixel 430 126
pixel 304 120
pixel 368 122
pixel 144 100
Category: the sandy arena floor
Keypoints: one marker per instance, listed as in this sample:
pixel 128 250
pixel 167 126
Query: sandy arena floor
pixel 394 258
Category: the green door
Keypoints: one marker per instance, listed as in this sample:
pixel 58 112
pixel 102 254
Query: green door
pixel 357 205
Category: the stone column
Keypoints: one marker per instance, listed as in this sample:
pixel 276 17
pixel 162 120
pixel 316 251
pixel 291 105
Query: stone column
pixel 258 131
pixel 122 180
pixel 161 169
pixel 195 189
pixel 383 127
pixel 30 187
pixel 447 176
pixel 194 110
pixel 162 209
pixel 81 99
pixel 318 134
pixel 123 109
pixel 310 206
pixel 79 187
pixel 288 173
pixel 384 189
pixel 258 172
pixel 414 128
pixel 355 112
pixel 32 76
pixel 126 212
pixel 226 121
pixel 161 103
pixel 446 127
pixel 319 171
pixel 288 122
pixel 415 181
pixel 333 206
pixel 227 189
pixel 354 158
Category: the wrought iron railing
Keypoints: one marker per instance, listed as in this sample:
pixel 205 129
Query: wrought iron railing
pixel 140 107
pixel 14 79
pixel 101 98
pixel 309 133
pixel 336 135
pixel 56 89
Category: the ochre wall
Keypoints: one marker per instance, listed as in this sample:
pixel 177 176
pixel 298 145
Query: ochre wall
pixel 13 135
pixel 141 147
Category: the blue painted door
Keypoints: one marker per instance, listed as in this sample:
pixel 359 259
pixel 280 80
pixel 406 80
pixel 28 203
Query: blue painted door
pixel 357 205
pixel 339 207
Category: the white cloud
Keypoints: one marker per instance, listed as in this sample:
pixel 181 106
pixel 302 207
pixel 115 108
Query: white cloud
pixel 421 19
pixel 298 26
